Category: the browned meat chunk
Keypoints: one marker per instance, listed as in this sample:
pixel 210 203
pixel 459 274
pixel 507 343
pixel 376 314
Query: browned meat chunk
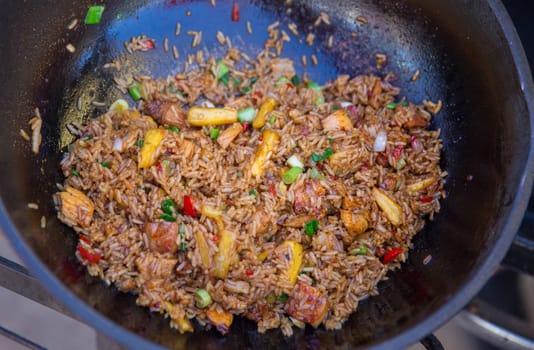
pixel 151 266
pixel 310 198
pixel 167 113
pixel 262 220
pixel 162 236
pixel 75 207
pixel 307 304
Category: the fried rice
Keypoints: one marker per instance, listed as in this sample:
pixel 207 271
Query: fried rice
pixel 251 191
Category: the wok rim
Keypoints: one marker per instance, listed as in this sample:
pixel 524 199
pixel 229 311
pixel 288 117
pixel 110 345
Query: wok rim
pixel 426 326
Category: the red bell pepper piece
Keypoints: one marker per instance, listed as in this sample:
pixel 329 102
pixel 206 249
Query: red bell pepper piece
pixel 235 12
pixel 189 209
pixel 88 256
pixel 391 255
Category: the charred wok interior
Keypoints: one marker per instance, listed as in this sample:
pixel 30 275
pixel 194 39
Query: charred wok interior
pixel 464 58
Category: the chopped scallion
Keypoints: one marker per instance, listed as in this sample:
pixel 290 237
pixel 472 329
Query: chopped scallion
pixel 135 91
pixel 246 114
pixel 361 251
pixel 167 217
pixel 169 207
pixel 326 154
pixel 105 164
pixel 252 192
pixel 272 119
pixel 221 69
pixel 295 80
pixel 202 298
pixel 283 297
pixel 172 128
pixel 140 143
pixel 314 86
pixel 74 172
pixel 395 104
pixel 225 79
pixel 94 14
pixel 214 133
pixel 316 174
pixel 311 227
pixel 291 175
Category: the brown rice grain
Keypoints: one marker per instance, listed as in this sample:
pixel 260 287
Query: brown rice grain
pixel 362 19
pixel 293 28
pixel 72 24
pixel 220 37
pixel 314 60
pixel 415 75
pixel 24 135
pixel 43 222
pixel 330 41
pixel 166 44
pixel 33 206
pixel 304 60
pixel 70 48
pixel 178 28
pixel 249 27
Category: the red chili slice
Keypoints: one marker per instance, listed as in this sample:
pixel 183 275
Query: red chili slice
pixel 235 12
pixel 425 199
pixel 85 239
pixel 272 190
pixel 391 255
pixel 189 209
pixel 249 272
pixel 246 126
pixel 88 256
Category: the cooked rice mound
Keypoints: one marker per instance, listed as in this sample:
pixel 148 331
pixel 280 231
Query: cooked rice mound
pixel 165 207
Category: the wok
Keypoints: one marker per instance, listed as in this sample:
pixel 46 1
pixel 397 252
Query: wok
pixel 467 52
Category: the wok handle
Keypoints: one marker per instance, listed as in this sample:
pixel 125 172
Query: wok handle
pixel 431 342
pixel 521 253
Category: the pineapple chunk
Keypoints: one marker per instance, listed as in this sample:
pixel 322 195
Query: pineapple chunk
pixel 199 116
pixel 76 207
pixel 270 139
pixel 266 107
pixel 222 320
pixel 355 223
pixel 291 252
pixel 214 214
pixel 226 254
pixel 420 185
pixel 203 250
pixel 392 210
pixel 229 135
pixel 177 315
pixel 184 325
pixel 307 304
pixel 151 142
pixel 339 120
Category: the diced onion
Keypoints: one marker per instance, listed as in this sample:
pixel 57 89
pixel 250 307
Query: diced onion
pixel 345 104
pixel 380 141
pixel 294 161
pixel 117 144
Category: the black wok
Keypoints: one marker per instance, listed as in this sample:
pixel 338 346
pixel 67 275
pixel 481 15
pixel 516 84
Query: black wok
pixel 469 56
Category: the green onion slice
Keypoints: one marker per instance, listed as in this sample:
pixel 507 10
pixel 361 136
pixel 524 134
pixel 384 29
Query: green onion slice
pixel 291 175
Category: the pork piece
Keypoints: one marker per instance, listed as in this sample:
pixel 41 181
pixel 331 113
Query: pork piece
pixel 167 113
pixel 75 208
pixel 307 304
pixel 309 198
pixel 151 266
pixel 162 236
pixel 262 219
